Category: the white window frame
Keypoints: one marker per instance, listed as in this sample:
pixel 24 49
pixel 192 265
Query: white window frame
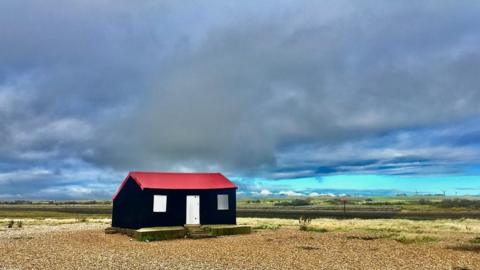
pixel 222 202
pixel 159 203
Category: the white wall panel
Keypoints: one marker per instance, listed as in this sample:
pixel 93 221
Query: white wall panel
pixel 222 202
pixel 159 203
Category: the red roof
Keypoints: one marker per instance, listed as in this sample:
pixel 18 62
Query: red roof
pixel 169 180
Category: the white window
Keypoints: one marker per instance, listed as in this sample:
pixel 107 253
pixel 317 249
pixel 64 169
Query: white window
pixel 159 203
pixel 222 202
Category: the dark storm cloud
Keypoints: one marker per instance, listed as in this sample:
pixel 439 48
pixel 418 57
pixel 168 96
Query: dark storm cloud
pixel 258 83
pixel 278 89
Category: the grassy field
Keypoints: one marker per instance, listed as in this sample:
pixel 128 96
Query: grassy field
pixel 55 211
pixel 412 207
pixel 419 207
pixel 404 203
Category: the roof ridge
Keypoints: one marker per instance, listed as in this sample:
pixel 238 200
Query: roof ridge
pixel 154 172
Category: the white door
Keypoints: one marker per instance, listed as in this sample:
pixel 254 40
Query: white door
pixel 193 209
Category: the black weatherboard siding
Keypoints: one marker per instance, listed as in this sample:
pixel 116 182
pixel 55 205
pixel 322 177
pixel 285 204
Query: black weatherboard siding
pixel 133 207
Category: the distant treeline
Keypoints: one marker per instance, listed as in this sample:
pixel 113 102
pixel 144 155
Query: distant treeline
pixel 295 202
pixel 444 203
pixel 453 203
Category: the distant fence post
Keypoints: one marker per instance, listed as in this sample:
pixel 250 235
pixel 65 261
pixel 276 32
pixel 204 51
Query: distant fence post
pixel 344 201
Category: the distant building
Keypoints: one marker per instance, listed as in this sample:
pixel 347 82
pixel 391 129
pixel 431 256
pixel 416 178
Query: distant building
pixel 150 199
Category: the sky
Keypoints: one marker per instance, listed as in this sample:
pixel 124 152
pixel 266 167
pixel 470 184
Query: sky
pixel 283 97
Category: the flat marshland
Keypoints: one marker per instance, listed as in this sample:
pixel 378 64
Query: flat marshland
pixel 80 243
pixel 412 207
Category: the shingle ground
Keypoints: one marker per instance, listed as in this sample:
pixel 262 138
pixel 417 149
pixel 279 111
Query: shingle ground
pixel 86 246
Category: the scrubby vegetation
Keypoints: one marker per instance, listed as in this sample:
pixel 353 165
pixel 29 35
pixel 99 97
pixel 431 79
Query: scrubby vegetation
pixel 82 219
pixel 460 203
pixel 416 239
pixel 475 240
pixel 400 230
pixel 295 202
pixel 405 207
pixel 267 226
pixel 304 223
pixel 466 247
pixel 316 229
pixel 402 202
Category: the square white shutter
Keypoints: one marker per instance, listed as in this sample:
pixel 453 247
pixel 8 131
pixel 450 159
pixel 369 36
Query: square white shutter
pixel 222 202
pixel 159 203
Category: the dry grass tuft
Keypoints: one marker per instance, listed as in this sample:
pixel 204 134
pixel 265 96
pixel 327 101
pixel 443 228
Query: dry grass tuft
pixel 82 219
pixel 466 247
pixel 475 240
pixel 460 268
pixel 267 227
pixel 304 223
pixel 316 229
pixel 414 239
pixel 308 247
pixel 365 238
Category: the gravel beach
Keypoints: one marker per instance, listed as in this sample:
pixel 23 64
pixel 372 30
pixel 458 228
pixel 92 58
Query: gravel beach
pixel 86 246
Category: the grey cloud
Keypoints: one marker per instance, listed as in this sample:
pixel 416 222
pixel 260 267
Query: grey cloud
pixel 74 180
pixel 233 86
pixel 251 87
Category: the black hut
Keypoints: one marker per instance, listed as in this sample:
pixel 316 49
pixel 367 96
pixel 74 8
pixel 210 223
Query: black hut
pixel 150 199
